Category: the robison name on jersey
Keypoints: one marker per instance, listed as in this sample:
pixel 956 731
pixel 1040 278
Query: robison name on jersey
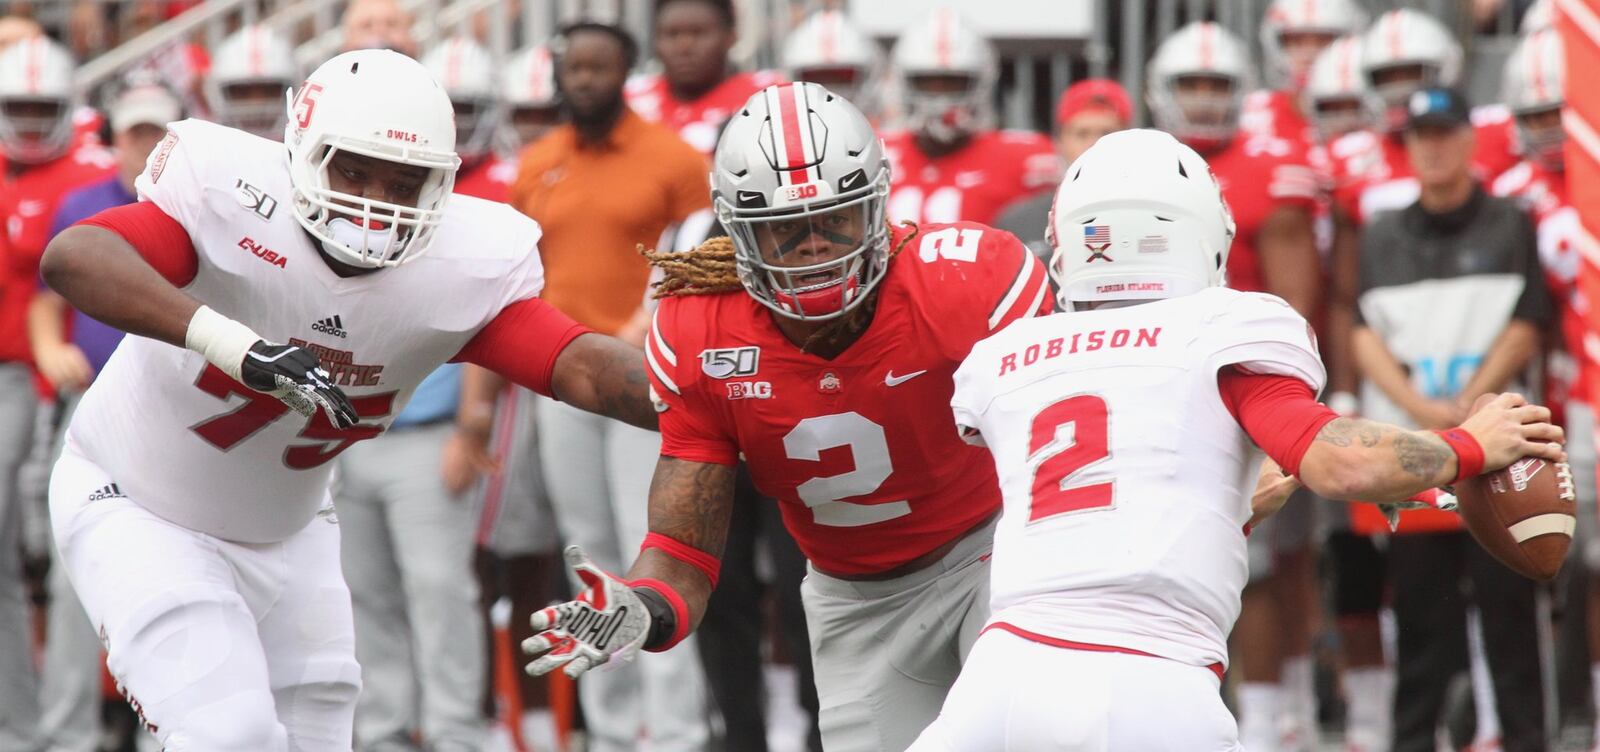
pixel 1111 441
pixel 201 450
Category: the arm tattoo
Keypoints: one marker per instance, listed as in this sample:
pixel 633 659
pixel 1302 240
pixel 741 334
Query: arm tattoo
pixel 623 392
pixel 1422 457
pixel 1342 432
pixel 604 375
pixel 691 502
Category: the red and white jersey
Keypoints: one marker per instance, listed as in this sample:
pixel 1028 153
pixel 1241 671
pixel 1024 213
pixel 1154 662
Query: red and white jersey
pixel 1276 113
pixel 1258 175
pixel 867 469
pixel 1371 173
pixel 488 180
pixel 697 122
pixel 207 453
pixel 1544 193
pixel 28 206
pixel 972 184
pixel 1126 480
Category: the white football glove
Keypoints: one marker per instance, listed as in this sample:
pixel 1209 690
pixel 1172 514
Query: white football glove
pixel 606 622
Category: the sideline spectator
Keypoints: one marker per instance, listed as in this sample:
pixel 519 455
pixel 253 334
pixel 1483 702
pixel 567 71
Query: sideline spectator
pixel 1451 307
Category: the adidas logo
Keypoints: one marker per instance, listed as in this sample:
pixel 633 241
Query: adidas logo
pixel 331 325
pixel 107 492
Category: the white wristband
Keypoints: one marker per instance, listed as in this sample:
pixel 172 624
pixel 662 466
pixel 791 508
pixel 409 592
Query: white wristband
pixel 222 340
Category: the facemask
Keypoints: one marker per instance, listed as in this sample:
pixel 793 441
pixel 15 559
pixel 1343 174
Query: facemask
pixel 380 241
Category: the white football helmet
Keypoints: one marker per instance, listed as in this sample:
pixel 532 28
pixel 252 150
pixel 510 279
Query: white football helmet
pixel 1401 39
pixel 943 45
pixel 528 91
pixel 36 100
pixel 827 49
pixel 250 71
pixel 1335 96
pixel 466 71
pixel 1535 82
pixel 384 105
pixel 1541 15
pixel 799 174
pixel 1139 216
pixel 1335 18
pixel 1199 50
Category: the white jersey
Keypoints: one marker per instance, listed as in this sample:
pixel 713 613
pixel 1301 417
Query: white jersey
pixel 203 451
pixel 1126 481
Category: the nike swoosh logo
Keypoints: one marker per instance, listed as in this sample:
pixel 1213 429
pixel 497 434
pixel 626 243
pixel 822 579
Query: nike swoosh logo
pixel 889 379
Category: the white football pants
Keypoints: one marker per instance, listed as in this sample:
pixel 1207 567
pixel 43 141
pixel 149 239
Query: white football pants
pixel 221 646
pixel 1016 695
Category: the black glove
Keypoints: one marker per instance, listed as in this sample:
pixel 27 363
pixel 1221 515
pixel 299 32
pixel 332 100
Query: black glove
pixel 293 375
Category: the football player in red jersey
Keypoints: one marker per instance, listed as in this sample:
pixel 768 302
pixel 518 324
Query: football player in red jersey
pixel 814 346
pixel 1293 34
pixel 249 73
pixel 697 90
pixel 1534 86
pixel 951 164
pixel 827 49
pixel 1197 81
pixel 45 160
pixel 465 70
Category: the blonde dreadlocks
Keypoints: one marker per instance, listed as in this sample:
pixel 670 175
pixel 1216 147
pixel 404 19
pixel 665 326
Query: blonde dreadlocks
pixel 710 269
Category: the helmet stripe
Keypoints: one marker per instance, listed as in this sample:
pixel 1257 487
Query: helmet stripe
pixel 1206 62
pixel 255 44
pixel 1540 89
pixel 794 146
pixel 1396 49
pixel 827 32
pixel 35 50
pixel 941 37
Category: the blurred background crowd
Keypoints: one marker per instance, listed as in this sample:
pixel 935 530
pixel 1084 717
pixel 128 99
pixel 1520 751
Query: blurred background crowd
pixel 1396 169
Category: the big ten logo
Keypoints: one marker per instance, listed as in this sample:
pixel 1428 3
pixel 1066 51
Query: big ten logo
pixel 800 192
pixel 749 390
pixel 1442 378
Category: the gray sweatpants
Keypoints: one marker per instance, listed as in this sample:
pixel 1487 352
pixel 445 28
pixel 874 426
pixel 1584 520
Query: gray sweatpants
pixel 19 700
pixel 598 472
pixel 886 652
pixel 407 556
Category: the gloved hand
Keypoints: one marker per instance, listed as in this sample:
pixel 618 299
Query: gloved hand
pixel 606 621
pixel 293 375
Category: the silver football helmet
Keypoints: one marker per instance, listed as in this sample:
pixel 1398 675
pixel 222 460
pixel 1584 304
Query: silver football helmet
pixel 250 71
pixel 799 180
pixel 947 76
pixel 1401 40
pixel 1535 83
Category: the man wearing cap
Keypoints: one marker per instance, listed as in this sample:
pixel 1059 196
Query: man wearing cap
pixel 1452 300
pixel 1088 109
pixel 69 691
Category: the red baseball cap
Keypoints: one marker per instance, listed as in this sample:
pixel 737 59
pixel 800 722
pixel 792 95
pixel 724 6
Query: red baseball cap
pixel 1094 94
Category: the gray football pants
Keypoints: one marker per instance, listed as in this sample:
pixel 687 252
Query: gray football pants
pixel 597 472
pixel 19 700
pixel 407 556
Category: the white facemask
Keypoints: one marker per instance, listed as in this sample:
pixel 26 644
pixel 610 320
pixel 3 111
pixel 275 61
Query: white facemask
pixel 378 243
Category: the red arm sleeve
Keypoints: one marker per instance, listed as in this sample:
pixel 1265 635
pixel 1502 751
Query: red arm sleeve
pixel 1278 412
pixel 523 342
pixel 160 239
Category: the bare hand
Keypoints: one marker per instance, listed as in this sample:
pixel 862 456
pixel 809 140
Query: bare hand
pixel 64 366
pixel 1273 489
pixel 466 457
pixel 1509 428
pixel 1431 413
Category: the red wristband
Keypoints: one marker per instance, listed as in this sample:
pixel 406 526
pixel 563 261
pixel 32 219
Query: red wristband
pixel 707 564
pixel 680 610
pixel 1469 454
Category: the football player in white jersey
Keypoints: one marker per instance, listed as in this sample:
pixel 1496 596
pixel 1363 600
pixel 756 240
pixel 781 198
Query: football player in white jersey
pixel 1126 432
pixel 285 304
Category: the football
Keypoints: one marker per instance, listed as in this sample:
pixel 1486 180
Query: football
pixel 1523 514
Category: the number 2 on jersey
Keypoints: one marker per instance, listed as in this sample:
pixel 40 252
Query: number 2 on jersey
pixel 869 449
pixel 1083 419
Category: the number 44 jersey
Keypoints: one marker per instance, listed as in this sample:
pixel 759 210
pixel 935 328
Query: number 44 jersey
pixel 1126 480
pixel 202 450
pixel 859 450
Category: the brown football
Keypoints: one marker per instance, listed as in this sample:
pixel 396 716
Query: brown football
pixel 1523 515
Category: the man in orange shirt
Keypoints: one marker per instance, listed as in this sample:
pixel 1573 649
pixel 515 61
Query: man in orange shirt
pixel 600 186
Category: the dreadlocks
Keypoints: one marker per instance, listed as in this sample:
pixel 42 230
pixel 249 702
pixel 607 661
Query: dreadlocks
pixel 710 269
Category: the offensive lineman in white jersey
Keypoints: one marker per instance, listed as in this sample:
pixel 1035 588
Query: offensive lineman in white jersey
pixel 190 506
pixel 1125 433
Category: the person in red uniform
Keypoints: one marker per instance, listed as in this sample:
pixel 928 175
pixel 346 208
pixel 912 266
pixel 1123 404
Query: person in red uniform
pixel 697 89
pixel 466 71
pixel 950 163
pixel 814 346
pixel 1197 81
pixel 1293 34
